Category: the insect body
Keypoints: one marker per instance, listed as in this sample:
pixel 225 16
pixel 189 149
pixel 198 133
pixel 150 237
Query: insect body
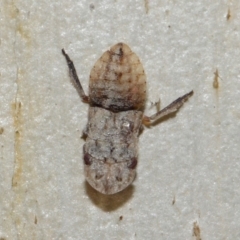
pixel 117 95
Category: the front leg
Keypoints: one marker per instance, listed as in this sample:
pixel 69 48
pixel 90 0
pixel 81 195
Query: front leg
pixel 74 78
pixel 173 107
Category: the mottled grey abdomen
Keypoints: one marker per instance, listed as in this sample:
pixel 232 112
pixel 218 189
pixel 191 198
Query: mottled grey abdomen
pixel 111 148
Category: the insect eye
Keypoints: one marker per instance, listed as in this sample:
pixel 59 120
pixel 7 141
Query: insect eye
pixel 133 163
pixel 87 159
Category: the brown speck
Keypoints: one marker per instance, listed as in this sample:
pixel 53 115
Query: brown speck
pixel 120 52
pixel 18 164
pixel 24 33
pixel 98 176
pixel 35 220
pixel 215 80
pixel 146 6
pixel 119 179
pixel 84 136
pixel 17 106
pixel 1 130
pixel 174 200
pixel 120 218
pixel 228 14
pixel 196 231
pixel 91 6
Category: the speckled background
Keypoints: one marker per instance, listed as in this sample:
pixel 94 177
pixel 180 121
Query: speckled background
pixel 188 171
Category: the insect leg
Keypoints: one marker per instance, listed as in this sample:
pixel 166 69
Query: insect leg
pixel 173 107
pixel 74 77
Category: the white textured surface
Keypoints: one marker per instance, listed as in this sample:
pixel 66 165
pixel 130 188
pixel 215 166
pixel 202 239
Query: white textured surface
pixel 192 157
